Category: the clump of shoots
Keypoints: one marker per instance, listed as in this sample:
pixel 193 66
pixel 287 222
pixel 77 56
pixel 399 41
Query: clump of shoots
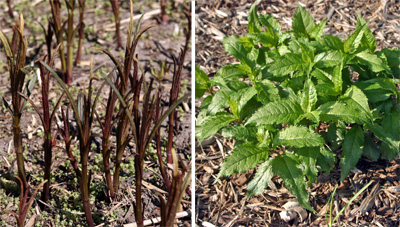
pixel 16 53
pixel 83 109
pixel 24 203
pixel 46 118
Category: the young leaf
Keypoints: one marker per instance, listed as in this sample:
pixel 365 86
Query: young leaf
pixel 213 124
pixel 286 167
pixel 391 124
pixel 266 91
pixel 244 157
pixel 357 99
pixel 372 61
pixel 326 159
pixel 328 59
pixel 240 132
pixel 308 159
pixel 254 24
pixel 272 25
pixel 218 103
pixel 370 149
pixel 336 132
pixel 278 112
pixel 230 72
pixel 333 42
pixel 261 180
pixel 318 30
pixel 377 89
pixel 286 64
pixel 392 56
pixel 202 82
pixel 340 111
pixel 352 150
pixel 353 41
pixel 308 96
pixel 298 136
pixel 234 47
pixel 303 23
pixel 368 40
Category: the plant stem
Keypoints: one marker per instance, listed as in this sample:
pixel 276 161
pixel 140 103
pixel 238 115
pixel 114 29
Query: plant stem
pixel 163 14
pixel 138 177
pixel 47 146
pixel 84 184
pixel 70 44
pixel 19 150
pixel 115 7
pixel 81 31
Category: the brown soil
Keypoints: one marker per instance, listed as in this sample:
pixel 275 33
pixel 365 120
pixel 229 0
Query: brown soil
pixel 158 45
pixel 224 203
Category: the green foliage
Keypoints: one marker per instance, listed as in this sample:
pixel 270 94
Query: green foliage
pixel 290 83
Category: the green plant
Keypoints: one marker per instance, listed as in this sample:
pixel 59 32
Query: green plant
pixel 329 221
pixel 290 84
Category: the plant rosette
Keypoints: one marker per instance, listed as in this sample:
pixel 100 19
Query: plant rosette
pixel 299 101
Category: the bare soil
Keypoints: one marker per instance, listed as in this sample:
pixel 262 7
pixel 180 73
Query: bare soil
pixel 224 202
pixel 159 45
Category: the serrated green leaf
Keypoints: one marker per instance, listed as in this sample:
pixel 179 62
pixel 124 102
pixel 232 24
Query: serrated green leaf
pixel 233 105
pixel 308 159
pixel 240 132
pixel 261 180
pixel 272 25
pixel 218 103
pixel 298 136
pixel 313 116
pixel 341 111
pixel 318 30
pixel 237 49
pixel 336 132
pixel 391 124
pixel 328 59
pixel 358 100
pixel 254 24
pixel 266 91
pixel 303 23
pixel 381 133
pixel 202 83
pixel 373 62
pixel 265 38
pixel 370 149
pixel 368 40
pixel 230 72
pixel 353 145
pixel 377 89
pixel 326 159
pixel 333 42
pixel 308 97
pixel 278 112
pixel 286 167
pixel 392 56
pixel 246 95
pixel 353 41
pixel 212 124
pixel 337 78
pixel 244 157
pixel 286 64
